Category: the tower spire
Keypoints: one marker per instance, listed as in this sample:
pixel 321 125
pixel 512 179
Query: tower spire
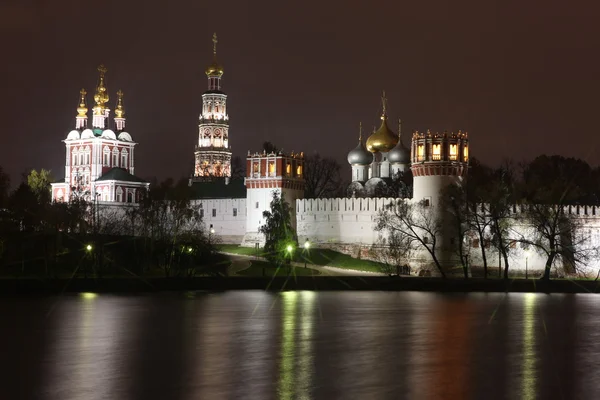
pixel 120 112
pixel 360 132
pixel 81 119
pixel 214 72
pixel 215 41
pixel 399 129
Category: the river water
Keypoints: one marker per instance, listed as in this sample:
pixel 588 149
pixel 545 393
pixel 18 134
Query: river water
pixel 303 345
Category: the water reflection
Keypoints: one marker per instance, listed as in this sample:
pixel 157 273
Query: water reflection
pixel 528 352
pixel 302 345
pixel 295 364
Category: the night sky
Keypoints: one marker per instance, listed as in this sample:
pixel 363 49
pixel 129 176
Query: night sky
pixel 520 76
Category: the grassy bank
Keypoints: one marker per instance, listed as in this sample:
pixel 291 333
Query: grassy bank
pixel 263 268
pixel 321 257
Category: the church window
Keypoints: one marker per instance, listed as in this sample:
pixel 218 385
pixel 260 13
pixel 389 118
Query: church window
pixel 437 151
pixel 124 159
pixel 466 154
pixel 106 160
pixel 235 212
pixel 129 197
pixel 427 201
pixel 420 152
pixel 299 170
pixel 74 158
pixel 256 205
pixel 453 152
pixel 115 158
pixel 80 158
pixel 119 194
pixel 214 212
pixel 271 168
pixel 288 169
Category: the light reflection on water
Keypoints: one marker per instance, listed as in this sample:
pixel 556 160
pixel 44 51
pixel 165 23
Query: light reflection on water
pixel 300 345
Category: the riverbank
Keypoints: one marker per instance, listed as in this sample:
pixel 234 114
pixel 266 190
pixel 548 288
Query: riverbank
pixel 9 287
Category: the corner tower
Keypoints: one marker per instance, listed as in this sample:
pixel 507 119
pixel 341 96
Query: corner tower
pixel 265 174
pixel 213 153
pixel 437 160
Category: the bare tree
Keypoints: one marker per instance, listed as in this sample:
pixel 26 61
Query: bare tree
pixel 393 252
pixel 322 177
pixel 454 203
pixel 557 235
pixel 419 223
pixel 238 168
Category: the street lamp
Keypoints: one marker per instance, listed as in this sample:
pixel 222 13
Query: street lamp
pixel 289 249
pixel 88 247
pixel 306 247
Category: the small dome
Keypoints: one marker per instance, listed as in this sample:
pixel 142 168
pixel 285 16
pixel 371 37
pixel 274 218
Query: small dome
pixel 108 134
pixel 125 137
pixel 360 156
pixel 87 134
pixel 73 135
pixel 214 69
pixel 399 154
pixel 383 140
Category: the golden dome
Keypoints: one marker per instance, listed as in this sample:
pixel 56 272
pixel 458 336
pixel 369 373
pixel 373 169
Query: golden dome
pixel 214 69
pixel 383 140
pixel 120 110
pixel 82 109
pixel 101 96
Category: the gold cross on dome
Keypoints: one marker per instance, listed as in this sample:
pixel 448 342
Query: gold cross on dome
pixel 215 41
pixel 102 69
pixel 384 102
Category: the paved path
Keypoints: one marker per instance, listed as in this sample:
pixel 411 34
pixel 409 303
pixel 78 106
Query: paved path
pixel 240 262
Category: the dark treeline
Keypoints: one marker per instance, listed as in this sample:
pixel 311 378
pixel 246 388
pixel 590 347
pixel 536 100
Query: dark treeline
pixel 164 236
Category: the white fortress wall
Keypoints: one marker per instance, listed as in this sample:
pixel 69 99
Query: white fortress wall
pixel 227 217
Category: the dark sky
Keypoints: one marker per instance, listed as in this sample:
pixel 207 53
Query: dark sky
pixel 520 76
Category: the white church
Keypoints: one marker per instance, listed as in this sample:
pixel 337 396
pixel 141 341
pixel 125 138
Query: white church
pixel 101 162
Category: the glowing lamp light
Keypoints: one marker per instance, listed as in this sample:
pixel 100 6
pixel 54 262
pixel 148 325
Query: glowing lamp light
pixel 88 247
pixel 212 230
pixel 89 296
pixel 189 249
pixel 306 245
pixel 289 248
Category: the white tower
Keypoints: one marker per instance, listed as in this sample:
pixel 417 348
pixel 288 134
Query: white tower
pixel 266 173
pixel 439 160
pixel 213 153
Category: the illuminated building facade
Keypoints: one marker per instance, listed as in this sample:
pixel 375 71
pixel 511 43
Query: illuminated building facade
pixel 99 162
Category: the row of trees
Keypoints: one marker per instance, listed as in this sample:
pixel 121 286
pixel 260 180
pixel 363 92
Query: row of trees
pixel 164 232
pixel 483 210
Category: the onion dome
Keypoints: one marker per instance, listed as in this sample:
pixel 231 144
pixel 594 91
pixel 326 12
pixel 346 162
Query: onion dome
pixel 384 139
pixel 120 110
pixel 101 95
pixel 400 153
pixel 360 155
pixel 82 109
pixel 214 69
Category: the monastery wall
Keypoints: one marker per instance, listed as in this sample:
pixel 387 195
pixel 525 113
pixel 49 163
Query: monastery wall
pixel 227 217
pixel 347 225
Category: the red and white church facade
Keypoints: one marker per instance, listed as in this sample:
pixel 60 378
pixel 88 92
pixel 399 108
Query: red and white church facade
pixel 99 161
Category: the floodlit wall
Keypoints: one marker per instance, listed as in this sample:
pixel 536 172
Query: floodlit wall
pixel 227 217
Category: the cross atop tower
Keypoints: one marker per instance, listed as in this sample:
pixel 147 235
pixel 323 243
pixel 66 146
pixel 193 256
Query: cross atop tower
pixel 215 41
pixel 102 69
pixel 383 105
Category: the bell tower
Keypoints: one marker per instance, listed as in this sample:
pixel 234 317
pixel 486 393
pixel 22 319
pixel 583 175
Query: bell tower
pixel 213 153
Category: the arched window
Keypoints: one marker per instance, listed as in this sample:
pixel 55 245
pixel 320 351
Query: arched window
pixel 115 157
pixel 299 170
pixel 453 152
pixel 420 152
pixel 87 155
pixel 75 157
pixel 124 159
pixel 119 194
pixel 106 157
pixel 466 153
pixel 437 151
pixel 129 197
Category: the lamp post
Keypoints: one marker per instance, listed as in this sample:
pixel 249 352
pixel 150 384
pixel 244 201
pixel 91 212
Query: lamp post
pixel 289 250
pixel 306 247
pixel 526 263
